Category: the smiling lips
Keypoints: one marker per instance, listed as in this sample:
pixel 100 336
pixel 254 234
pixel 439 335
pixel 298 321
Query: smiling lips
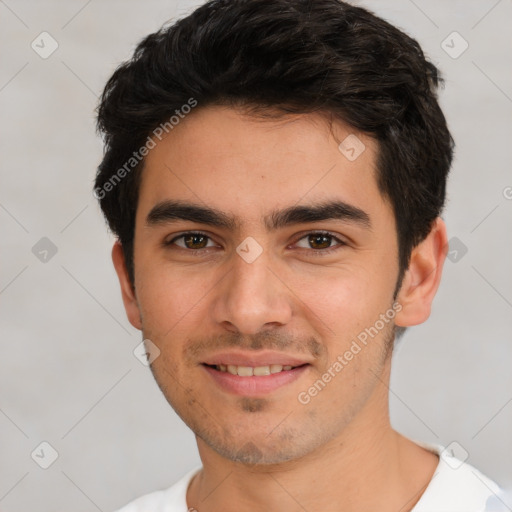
pixel 254 374
pixel 249 371
pixel 257 364
pixel 253 385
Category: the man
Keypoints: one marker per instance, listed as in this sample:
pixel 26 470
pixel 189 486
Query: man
pixel 274 172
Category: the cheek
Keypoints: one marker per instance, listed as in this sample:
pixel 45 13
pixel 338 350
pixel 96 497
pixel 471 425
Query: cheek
pixel 168 297
pixel 340 300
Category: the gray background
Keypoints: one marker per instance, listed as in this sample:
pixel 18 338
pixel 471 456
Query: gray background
pixel 68 375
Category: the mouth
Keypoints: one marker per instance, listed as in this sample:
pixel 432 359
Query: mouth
pixel 253 381
pixel 250 371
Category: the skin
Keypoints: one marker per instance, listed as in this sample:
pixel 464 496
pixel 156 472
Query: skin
pixel 273 452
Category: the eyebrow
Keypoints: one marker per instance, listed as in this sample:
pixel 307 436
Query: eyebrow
pixel 175 210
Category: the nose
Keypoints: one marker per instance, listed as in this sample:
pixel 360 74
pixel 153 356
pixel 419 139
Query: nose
pixel 251 297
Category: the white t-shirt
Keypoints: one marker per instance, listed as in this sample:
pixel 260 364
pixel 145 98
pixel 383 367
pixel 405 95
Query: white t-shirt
pixel 455 487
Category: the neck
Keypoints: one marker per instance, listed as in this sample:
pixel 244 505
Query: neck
pixel 368 466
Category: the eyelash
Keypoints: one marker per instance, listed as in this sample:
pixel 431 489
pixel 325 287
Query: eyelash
pixel 315 252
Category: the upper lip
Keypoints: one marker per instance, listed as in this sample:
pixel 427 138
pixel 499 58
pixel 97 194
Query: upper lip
pixel 262 358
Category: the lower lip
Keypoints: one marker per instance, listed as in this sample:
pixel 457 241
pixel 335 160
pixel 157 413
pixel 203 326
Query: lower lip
pixel 254 386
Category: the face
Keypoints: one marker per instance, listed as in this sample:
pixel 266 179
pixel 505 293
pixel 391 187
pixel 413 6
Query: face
pixel 261 274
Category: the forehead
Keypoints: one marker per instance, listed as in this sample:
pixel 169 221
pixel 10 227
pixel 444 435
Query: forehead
pixel 237 163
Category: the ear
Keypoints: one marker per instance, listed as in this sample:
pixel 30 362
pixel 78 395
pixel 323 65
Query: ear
pixel 127 290
pixel 422 278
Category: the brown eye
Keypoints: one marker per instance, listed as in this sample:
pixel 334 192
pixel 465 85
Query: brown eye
pixel 320 242
pixel 191 240
pixel 195 241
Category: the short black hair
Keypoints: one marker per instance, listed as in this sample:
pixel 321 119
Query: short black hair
pixel 287 56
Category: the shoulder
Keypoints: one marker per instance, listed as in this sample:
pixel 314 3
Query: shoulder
pixel 169 500
pixel 456 486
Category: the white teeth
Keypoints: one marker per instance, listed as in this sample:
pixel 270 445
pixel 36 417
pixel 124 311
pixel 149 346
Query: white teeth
pixel 245 371
pixel 261 370
pixel 249 371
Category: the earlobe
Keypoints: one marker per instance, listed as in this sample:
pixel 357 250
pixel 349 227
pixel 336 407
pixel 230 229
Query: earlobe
pixel 422 278
pixel 127 291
